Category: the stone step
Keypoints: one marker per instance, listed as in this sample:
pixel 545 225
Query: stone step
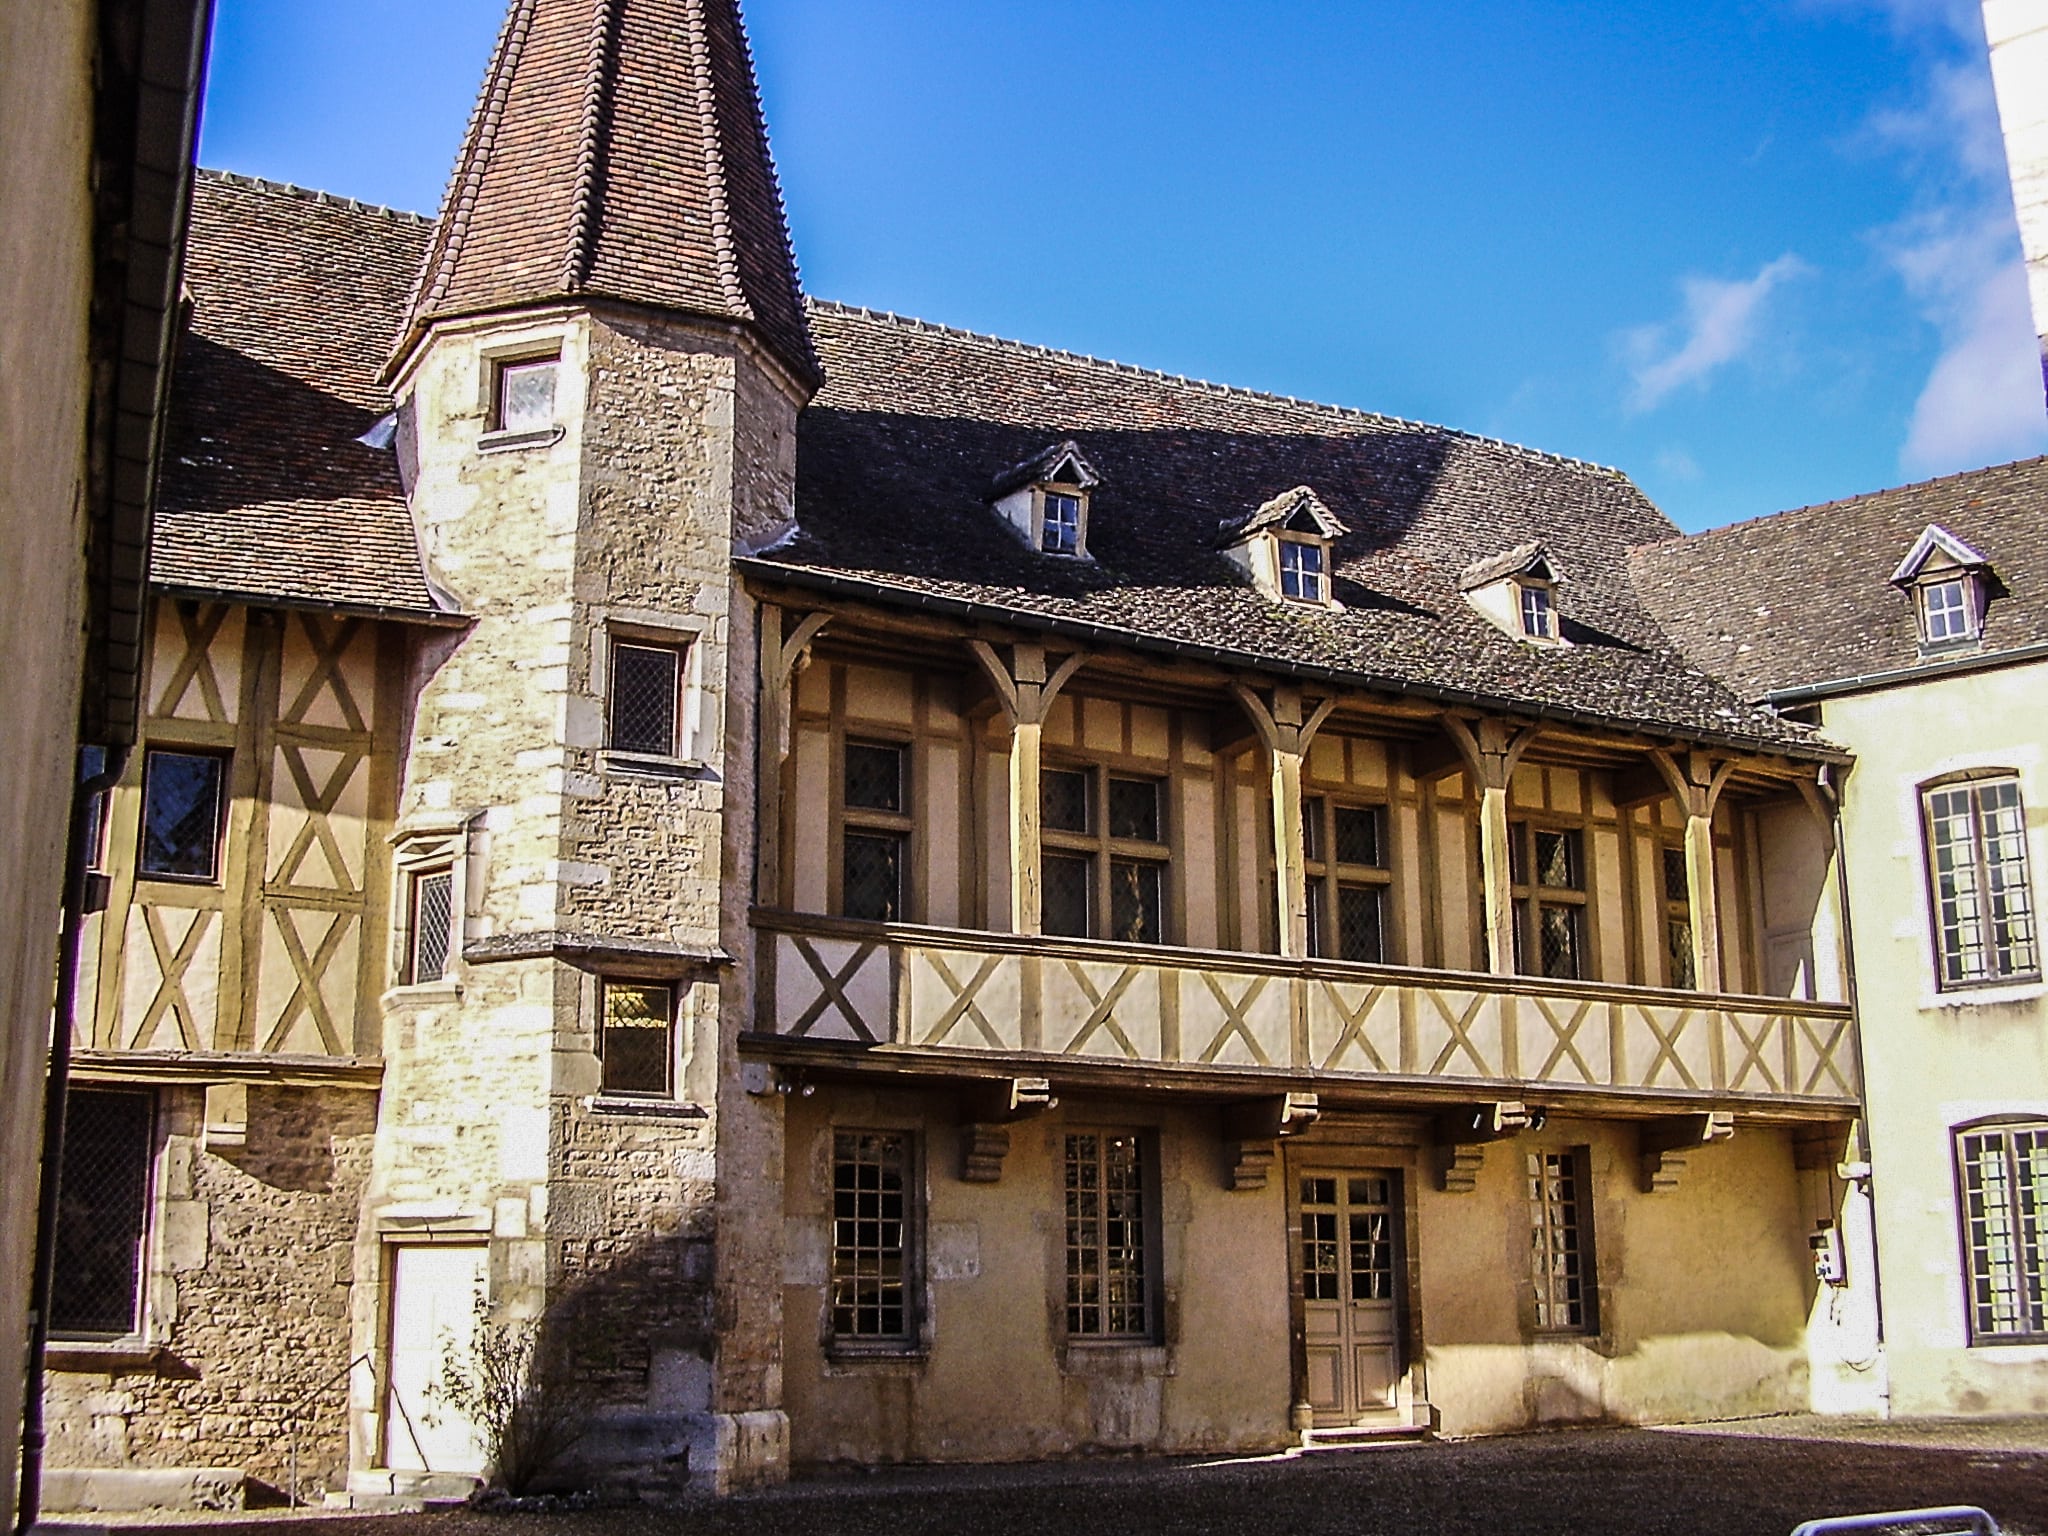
pixel 1336 1437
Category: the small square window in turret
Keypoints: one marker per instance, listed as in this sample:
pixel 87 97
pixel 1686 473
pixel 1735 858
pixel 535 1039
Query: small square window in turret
pixel 525 395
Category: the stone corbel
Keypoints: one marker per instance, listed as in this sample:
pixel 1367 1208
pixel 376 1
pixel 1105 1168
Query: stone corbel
pixel 1664 1145
pixel 1461 1136
pixel 992 1107
pixel 1253 1130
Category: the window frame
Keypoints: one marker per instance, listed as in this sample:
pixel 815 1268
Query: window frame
pixel 1576 1164
pixel 1975 1298
pixel 899 826
pixel 1307 544
pixel 1529 897
pixel 678 649
pixel 1536 594
pixel 224 793
pixel 1104 851
pixel 1676 909
pixel 1041 507
pixel 1974 784
pixel 416 878
pixel 1150 1247
pixel 909 1339
pixel 1327 877
pixel 606 1089
pixel 1970 609
pixel 146 1222
pixel 504 367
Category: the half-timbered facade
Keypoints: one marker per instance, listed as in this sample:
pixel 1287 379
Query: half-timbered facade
pixel 899 895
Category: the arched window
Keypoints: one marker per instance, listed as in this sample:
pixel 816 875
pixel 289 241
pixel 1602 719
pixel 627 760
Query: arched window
pixel 1981 900
pixel 2002 1183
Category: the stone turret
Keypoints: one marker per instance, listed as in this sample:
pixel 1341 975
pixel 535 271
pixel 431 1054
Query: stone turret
pixel 597 386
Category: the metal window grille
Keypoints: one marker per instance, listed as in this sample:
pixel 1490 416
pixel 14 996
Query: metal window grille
pixel 102 1213
pixel 433 922
pixel 1301 571
pixel 1983 901
pixel 181 814
pixel 1134 809
pixel 874 777
pixel 870 1235
pixel 1360 836
pixel 646 698
pixel 1068 881
pixel 1061 531
pixel 526 395
pixel 1537 614
pixel 636 1050
pixel 1136 911
pixel 2004 1173
pixel 1560 1261
pixel 871 876
pixel 1064 801
pixel 1108 1268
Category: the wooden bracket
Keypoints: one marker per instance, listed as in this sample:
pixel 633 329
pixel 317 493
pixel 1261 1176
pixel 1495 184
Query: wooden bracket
pixel 1461 1136
pixel 1664 1145
pixel 1253 1130
pixel 993 1105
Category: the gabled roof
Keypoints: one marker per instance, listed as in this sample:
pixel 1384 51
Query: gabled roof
pixel 1936 538
pixel 267 492
pixel 1530 559
pixel 1059 463
pixel 1280 512
pixel 912 415
pixel 1804 598
pixel 617 151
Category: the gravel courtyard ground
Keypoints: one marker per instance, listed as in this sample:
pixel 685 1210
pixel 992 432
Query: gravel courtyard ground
pixel 1752 1478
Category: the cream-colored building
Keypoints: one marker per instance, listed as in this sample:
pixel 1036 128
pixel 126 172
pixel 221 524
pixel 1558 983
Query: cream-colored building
pixel 91 216
pixel 902 895
pixel 1911 626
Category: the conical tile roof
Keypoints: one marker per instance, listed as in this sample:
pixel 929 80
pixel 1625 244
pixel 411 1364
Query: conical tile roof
pixel 617 150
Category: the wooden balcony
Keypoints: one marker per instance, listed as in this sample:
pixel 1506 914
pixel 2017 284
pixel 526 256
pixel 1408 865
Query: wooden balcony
pixel 938 999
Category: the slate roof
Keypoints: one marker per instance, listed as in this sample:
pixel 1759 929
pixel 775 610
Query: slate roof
pixel 1519 561
pixel 1804 597
pixel 1280 510
pixel 895 454
pixel 266 493
pixel 617 150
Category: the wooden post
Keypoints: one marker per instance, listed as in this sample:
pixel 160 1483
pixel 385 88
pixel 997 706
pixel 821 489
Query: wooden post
pixel 782 656
pixel 1696 783
pixel 1491 750
pixel 1286 733
pixel 1025 689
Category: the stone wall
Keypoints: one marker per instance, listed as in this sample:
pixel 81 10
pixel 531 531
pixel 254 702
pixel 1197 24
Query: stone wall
pixel 247 1301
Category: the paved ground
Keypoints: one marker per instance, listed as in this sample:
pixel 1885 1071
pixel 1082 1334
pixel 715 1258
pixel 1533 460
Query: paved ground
pixel 1756 1478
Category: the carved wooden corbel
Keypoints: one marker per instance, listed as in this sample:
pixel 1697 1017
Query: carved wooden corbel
pixel 1664 1145
pixel 1253 1130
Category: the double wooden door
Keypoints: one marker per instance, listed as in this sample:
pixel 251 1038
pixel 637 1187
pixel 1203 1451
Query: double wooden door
pixel 1351 1292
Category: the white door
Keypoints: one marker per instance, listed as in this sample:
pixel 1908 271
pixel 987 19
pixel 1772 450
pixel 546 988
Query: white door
pixel 435 1289
pixel 1350 1301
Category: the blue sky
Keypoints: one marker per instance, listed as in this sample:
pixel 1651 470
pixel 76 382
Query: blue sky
pixel 1755 254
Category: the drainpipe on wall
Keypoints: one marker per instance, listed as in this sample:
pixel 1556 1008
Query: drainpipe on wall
pixel 1856 1012
pixel 77 853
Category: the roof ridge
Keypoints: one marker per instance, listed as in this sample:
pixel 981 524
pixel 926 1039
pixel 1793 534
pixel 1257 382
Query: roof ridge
pixel 1843 501
pixel 309 194
pixel 911 322
pixel 715 191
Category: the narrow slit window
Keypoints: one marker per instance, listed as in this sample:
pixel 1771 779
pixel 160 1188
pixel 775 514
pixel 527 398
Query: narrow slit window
pixel 1678 962
pixel 432 925
pixel 182 805
pixel 637 1044
pixel 646 702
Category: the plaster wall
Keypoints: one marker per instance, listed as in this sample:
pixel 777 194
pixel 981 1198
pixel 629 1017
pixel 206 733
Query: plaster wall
pixel 45 278
pixel 1933 1060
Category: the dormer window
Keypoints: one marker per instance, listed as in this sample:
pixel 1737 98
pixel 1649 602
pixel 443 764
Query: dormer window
pixel 1946 580
pixel 1045 500
pixel 1515 591
pixel 1284 546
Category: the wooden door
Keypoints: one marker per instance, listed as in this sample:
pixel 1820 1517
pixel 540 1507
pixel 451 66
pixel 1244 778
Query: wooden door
pixel 1351 1304
pixel 434 1293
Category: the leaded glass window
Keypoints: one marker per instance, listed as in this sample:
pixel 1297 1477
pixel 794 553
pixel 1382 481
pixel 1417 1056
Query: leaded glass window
pixel 1347 879
pixel 874 844
pixel 871 877
pixel 182 804
pixel 1560 1255
pixel 1109 1258
pixel 432 925
pixel 872 1214
pixel 646 702
pixel 2004 1175
pixel 1548 880
pixel 102 1213
pixel 637 1045
pixel 1678 959
pixel 1104 865
pixel 1983 900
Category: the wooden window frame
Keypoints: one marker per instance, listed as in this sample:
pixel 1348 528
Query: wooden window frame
pixel 1320 597
pixel 217 873
pixel 1104 851
pixel 606 1088
pixel 908 1339
pixel 2029 1260
pixel 1530 898
pixel 1040 501
pixel 1538 595
pixel 1675 910
pixel 1149 1247
pixel 1326 877
pixel 869 821
pixel 1974 785
pixel 1971 588
pixel 1547 1221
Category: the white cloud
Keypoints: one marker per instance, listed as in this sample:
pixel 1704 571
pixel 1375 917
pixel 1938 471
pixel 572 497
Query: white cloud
pixel 1982 401
pixel 1718 323
pixel 1678 464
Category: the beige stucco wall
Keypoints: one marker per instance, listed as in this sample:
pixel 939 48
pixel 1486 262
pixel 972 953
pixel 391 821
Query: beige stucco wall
pixel 1932 1059
pixel 45 274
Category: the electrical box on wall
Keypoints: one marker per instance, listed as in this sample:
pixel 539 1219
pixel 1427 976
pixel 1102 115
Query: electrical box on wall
pixel 1826 1244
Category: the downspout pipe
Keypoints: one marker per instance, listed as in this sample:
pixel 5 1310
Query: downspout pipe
pixel 77 856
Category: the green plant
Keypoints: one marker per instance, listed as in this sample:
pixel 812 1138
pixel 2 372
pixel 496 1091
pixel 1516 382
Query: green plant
pixel 517 1384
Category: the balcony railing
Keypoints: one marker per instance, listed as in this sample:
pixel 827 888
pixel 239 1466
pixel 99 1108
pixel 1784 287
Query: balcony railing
pixel 942 990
